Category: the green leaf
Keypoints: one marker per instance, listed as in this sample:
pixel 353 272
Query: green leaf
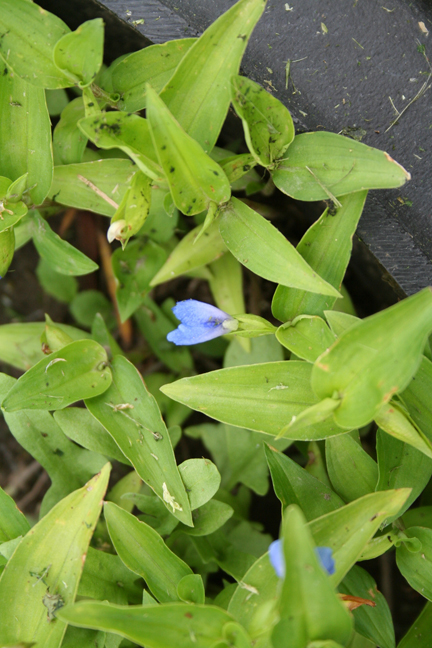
pixel 340 322
pixel 97 186
pixel 195 180
pixel 127 132
pixel 204 74
pixel 192 253
pixel 44 572
pixel 87 304
pixel 159 226
pixel 267 123
pixel 309 607
pixel 353 473
pixel 30 35
pixel 144 552
pixel 133 210
pixel 7 247
pixel 261 397
pixel 401 466
pixel 374 359
pixel 417 567
pixel 25 115
pixel 155 325
pixel 308 172
pixel 154 65
pixel 68 466
pixel 201 479
pixel 11 213
pixel 393 419
pixel 79 370
pixel 61 287
pixel 80 426
pixel 79 55
pixel 57 100
pixel 348 530
pixel 68 140
pixel 12 522
pixel 236 167
pixel 155 514
pixel 134 268
pixel 416 397
pixel 418 636
pixel 208 518
pixel 129 484
pixel 263 349
pixel 156 626
pixel 61 255
pixel 259 246
pixel 84 638
pixel 306 336
pixel 20 343
pixel 191 589
pixel 294 485
pixel 131 416
pixel 326 247
pixel 374 623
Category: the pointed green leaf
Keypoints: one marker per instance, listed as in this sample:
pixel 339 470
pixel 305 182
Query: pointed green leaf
pixel 309 607
pixel 401 466
pixel 30 35
pixel 374 623
pixel 155 626
pixel 191 589
pixel 208 518
pixel 257 397
pixel 133 210
pixel 340 322
pixel 79 370
pixel 393 419
pixel 97 186
pixel 374 359
pixel 204 74
pixel 79 55
pixel 25 129
pixel 195 180
pixel 353 473
pixel 127 132
pixel 80 426
pixel 418 636
pixel 12 522
pixel 192 253
pixel 69 141
pixel 144 552
pixel 154 65
pixel 308 172
pixel 294 485
pixel 131 416
pixel 416 397
pixel 106 577
pixel 307 336
pixel 348 530
pixel 315 414
pixel 259 246
pixel 44 572
pixel 61 255
pixel 326 247
pixel 267 123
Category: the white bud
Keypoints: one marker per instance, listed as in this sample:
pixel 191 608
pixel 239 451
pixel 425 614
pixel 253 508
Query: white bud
pixel 115 230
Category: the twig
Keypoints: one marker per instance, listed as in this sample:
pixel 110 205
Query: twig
pixel 125 328
pixel 324 188
pixel 67 221
pixel 34 492
pixel 98 191
pixel 20 478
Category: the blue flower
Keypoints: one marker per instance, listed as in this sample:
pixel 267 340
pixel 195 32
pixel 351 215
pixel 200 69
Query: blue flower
pixel 200 322
pixel 277 559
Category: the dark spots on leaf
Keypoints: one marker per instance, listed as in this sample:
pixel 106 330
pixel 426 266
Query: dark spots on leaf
pixel 189 615
pixel 58 452
pixel 172 169
pixel 44 434
pixel 194 200
pixel 242 37
pixel 215 173
pixel 188 210
pixel 163 148
pixel 46 384
pixel 5 71
pixel 246 167
pixel 91 104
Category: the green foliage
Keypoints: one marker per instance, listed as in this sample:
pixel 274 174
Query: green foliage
pixel 287 398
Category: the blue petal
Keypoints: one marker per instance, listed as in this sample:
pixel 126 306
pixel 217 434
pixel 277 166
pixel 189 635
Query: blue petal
pixel 192 312
pixel 277 558
pixel 195 334
pixel 325 554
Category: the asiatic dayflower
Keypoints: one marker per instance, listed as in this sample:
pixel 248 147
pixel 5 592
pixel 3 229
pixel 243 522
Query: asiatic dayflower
pixel 325 555
pixel 200 322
